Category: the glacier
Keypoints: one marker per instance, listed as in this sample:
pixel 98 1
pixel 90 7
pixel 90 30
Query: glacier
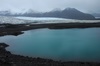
pixel 12 20
pixel 41 20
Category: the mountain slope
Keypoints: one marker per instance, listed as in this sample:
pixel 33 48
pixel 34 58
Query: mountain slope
pixel 70 13
pixel 96 14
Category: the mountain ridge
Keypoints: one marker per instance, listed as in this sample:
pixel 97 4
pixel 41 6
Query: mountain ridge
pixel 70 13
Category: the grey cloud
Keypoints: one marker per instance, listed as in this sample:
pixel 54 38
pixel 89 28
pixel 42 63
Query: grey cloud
pixel 47 5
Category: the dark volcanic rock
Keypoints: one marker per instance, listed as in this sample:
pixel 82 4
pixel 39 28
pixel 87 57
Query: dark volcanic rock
pixel 17 29
pixel 3 45
pixel 15 33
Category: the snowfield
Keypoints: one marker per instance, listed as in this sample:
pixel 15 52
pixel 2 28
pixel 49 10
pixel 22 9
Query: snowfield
pixel 12 20
pixel 56 20
pixel 42 20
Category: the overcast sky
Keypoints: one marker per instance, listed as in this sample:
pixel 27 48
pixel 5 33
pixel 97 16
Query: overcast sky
pixel 47 5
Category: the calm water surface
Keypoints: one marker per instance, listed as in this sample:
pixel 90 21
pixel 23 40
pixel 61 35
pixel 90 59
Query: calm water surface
pixel 61 44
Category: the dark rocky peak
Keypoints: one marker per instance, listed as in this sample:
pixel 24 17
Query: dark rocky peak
pixel 71 10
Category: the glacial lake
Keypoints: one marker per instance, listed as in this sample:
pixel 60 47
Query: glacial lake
pixel 61 44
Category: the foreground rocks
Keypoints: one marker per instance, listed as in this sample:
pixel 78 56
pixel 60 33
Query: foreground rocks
pixel 9 59
pixel 15 33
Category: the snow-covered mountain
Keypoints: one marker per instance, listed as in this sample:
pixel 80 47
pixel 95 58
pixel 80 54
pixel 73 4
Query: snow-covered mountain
pixel 12 12
pixel 68 13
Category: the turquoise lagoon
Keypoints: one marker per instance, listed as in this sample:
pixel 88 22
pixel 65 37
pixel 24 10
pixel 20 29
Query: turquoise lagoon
pixel 60 44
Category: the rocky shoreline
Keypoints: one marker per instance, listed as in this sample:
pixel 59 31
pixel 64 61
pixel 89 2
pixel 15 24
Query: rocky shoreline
pixel 9 59
pixel 16 29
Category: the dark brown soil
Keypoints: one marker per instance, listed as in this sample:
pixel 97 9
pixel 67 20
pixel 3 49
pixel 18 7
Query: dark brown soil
pixel 10 29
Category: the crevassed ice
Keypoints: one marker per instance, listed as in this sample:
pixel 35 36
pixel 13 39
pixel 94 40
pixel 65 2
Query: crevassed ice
pixel 42 20
pixel 56 20
pixel 11 20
